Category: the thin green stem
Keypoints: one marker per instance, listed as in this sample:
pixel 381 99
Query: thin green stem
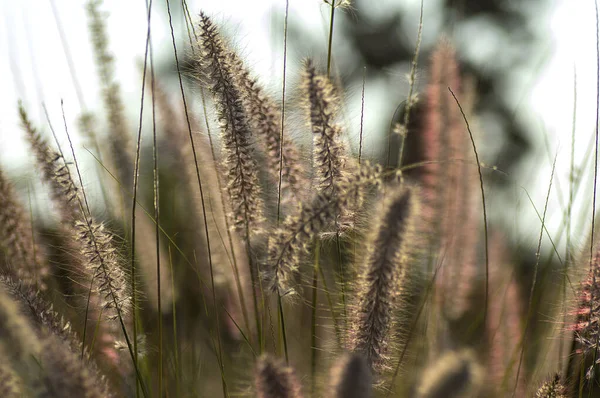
pixel 409 100
pixel 283 334
pixel 175 338
pixel 533 283
pixel 485 220
pixel 313 328
pixel 330 41
pixel 281 138
pixel 157 228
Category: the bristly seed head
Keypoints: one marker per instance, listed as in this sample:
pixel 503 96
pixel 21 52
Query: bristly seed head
pixel 586 325
pixel 273 379
pixel 103 262
pixel 266 122
pixel 383 277
pixel 351 377
pixel 242 171
pixel 329 152
pixel 552 388
pixel 23 256
pixel 454 375
pixel 290 241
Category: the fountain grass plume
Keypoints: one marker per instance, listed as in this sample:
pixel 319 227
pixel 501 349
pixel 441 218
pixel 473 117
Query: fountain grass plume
pixel 380 287
pixel 453 375
pixel 288 243
pixel 243 186
pixel 274 379
pixel 329 157
pixel 351 377
pixel 265 117
pixel 24 257
pixel 552 388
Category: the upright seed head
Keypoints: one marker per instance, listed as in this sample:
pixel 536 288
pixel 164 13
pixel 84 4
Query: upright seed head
pixel 383 277
pixel 273 379
pixel 241 168
pixel 455 374
pixel 289 242
pixel 55 173
pixel 329 155
pixel 586 326
pixel 23 256
pixel 351 377
pixel 552 388
pixel 265 117
pixel 109 277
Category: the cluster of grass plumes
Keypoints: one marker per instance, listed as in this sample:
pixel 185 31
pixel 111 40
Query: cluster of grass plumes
pixel 258 267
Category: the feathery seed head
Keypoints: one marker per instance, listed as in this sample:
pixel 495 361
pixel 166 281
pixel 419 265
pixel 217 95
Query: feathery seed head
pixel 40 312
pixel 351 377
pixel 289 242
pixel 586 325
pixel 329 155
pixel 23 255
pixel 266 122
pixel 17 339
pixel 241 168
pixel 273 379
pixel 383 277
pixel 455 374
pixel 103 262
pixel 65 373
pixel 54 171
pixel 552 388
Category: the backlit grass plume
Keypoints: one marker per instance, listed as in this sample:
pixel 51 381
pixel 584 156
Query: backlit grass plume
pixel 265 117
pixel 240 164
pixel 288 243
pixel 23 256
pixel 383 275
pixel 454 375
pixel 586 326
pixel 385 265
pixel 274 379
pixel 552 388
pixel 55 173
pixel 329 155
pixel 103 261
pixel 351 377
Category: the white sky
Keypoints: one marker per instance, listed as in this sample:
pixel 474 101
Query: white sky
pixel 33 68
